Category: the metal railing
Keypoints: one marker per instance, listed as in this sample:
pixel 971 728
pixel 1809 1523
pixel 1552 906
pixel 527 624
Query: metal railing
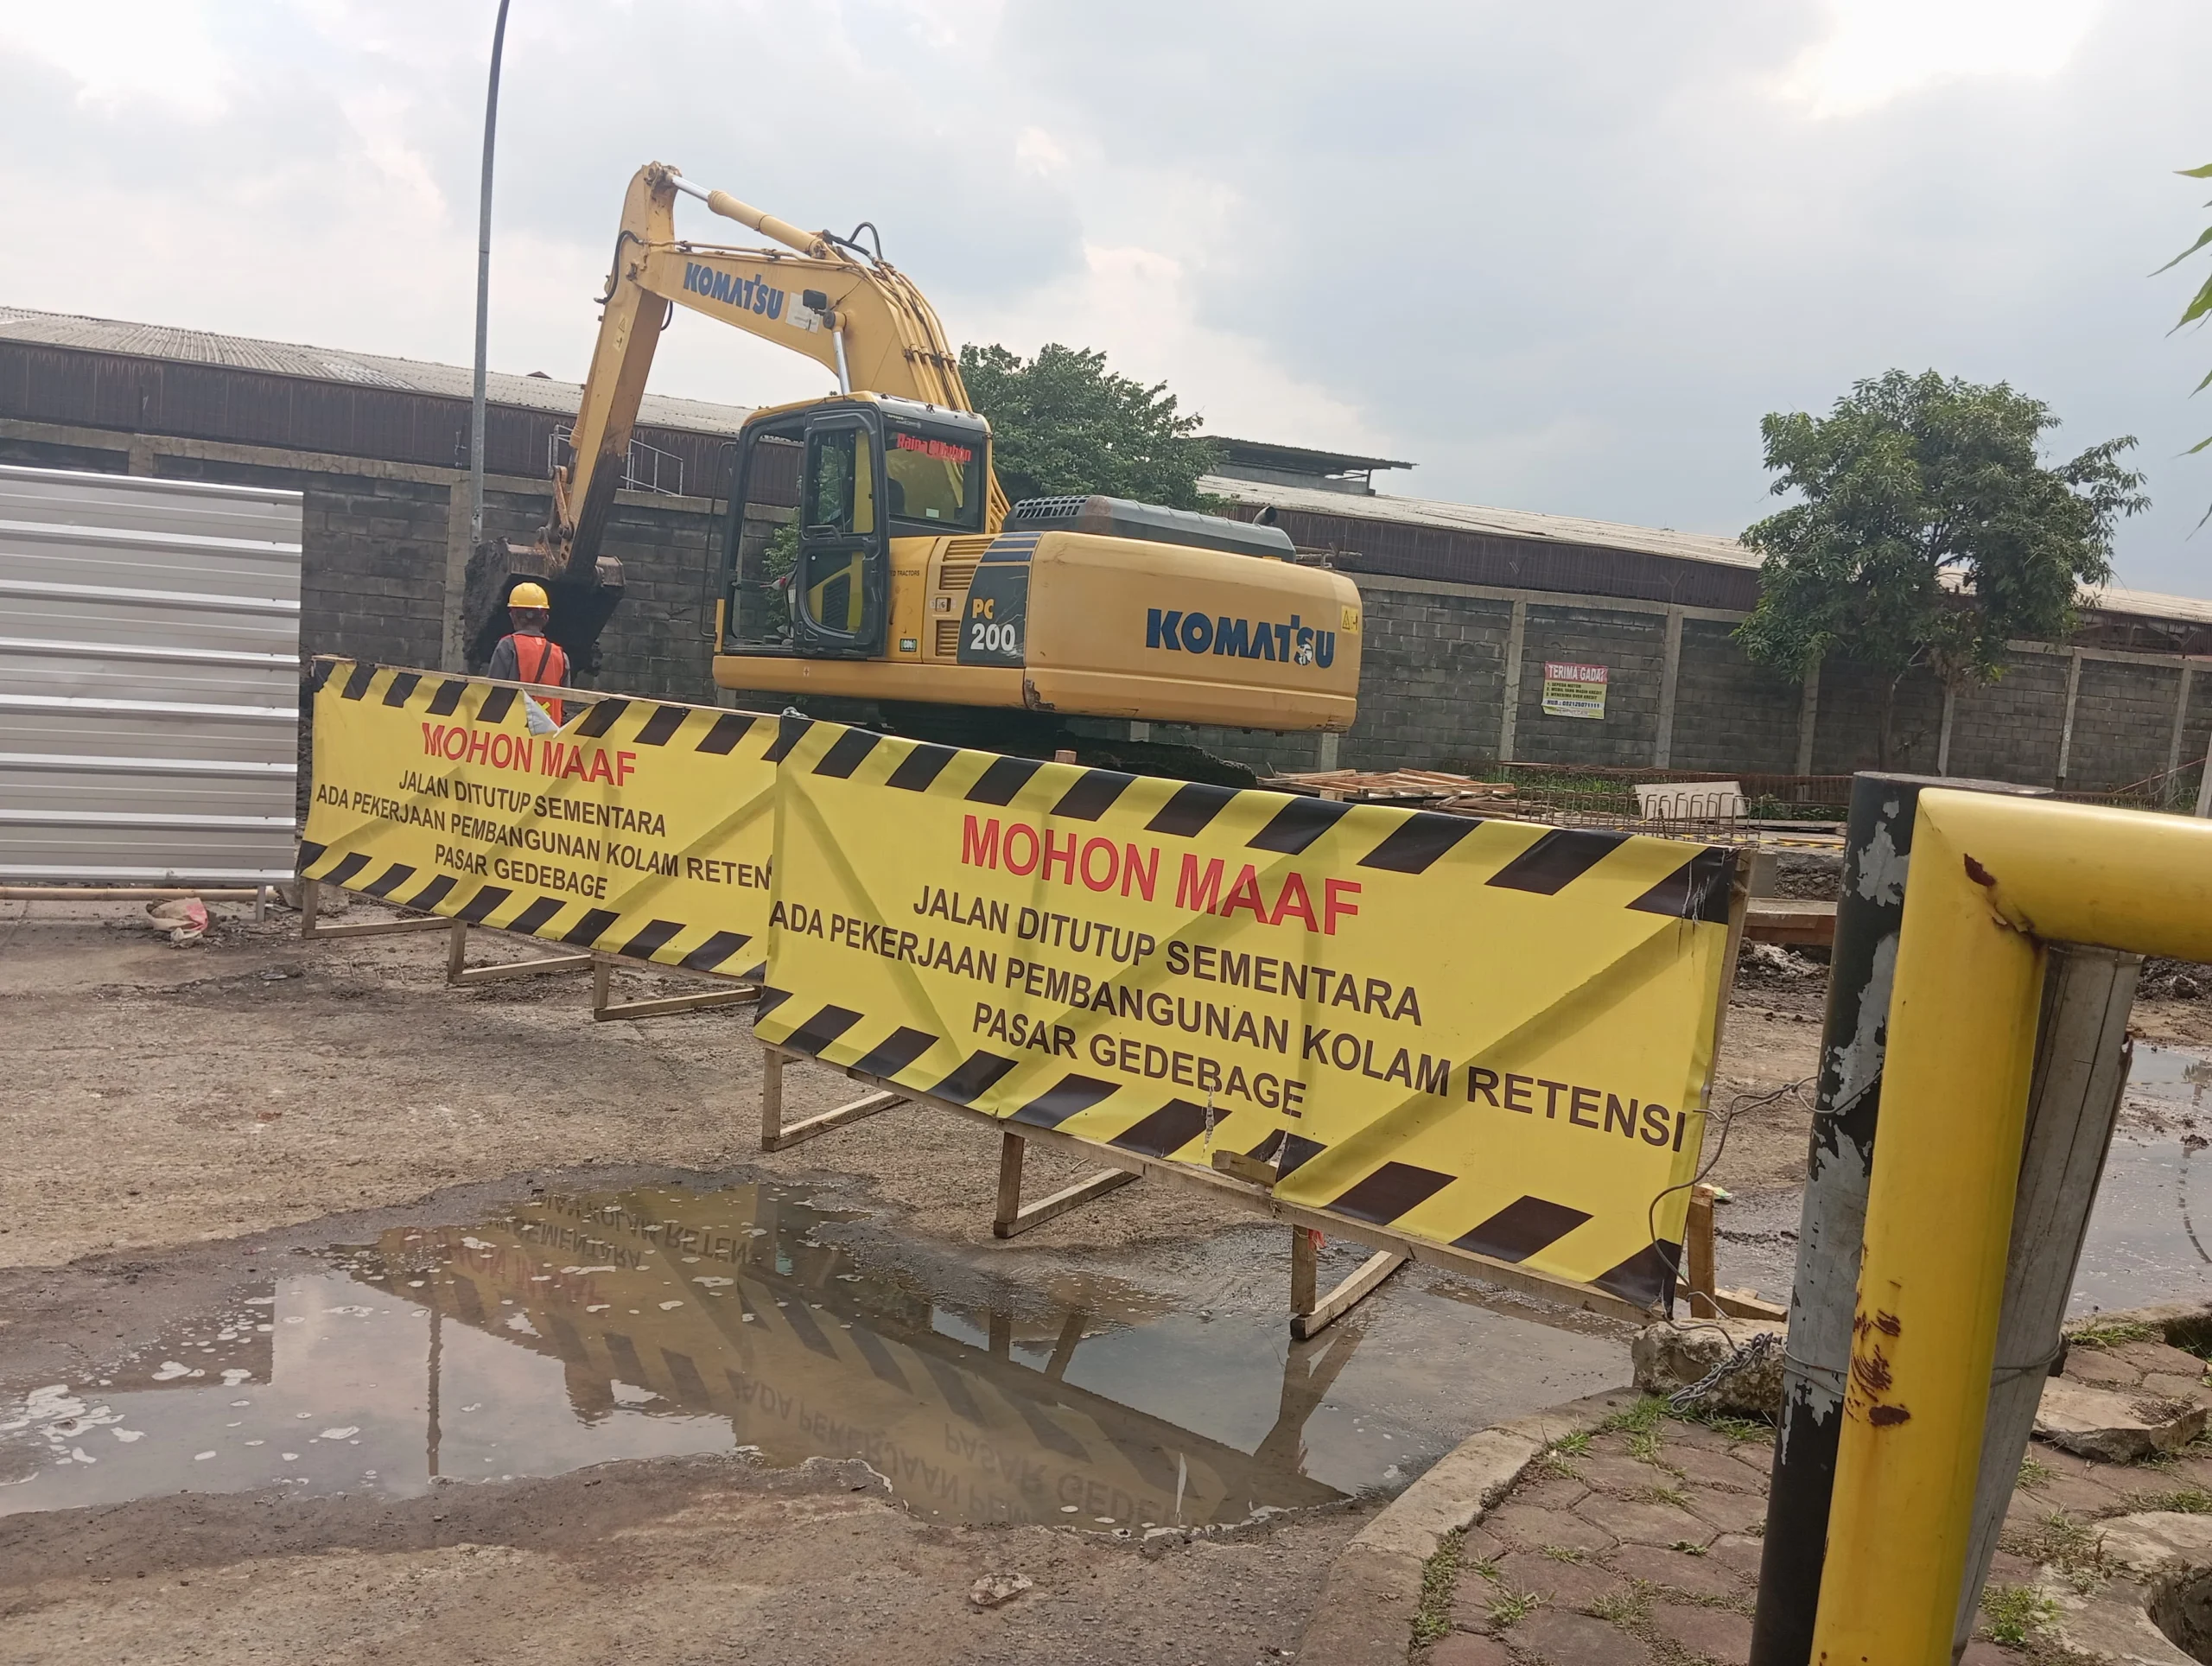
pixel 647 468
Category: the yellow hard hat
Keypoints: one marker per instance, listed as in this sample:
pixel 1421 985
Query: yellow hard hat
pixel 527 594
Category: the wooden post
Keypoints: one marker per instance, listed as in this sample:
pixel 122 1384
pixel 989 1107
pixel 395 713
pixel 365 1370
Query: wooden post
pixel 1012 1150
pixel 771 1099
pixel 2081 1059
pixel 1697 1232
pixel 1010 1218
pixel 1305 1266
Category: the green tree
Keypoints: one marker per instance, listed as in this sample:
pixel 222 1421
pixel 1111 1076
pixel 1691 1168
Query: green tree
pixel 2200 305
pixel 1062 423
pixel 1928 532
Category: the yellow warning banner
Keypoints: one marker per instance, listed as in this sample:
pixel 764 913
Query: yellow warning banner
pixel 638 828
pixel 1488 1034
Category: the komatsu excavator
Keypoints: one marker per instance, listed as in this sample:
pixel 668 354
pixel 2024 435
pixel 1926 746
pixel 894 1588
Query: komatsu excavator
pixel 905 579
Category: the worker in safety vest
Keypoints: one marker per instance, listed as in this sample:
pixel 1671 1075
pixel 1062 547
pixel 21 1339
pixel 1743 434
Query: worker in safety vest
pixel 528 655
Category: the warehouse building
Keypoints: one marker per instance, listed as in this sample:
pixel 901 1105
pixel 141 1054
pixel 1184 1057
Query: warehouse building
pixel 1490 634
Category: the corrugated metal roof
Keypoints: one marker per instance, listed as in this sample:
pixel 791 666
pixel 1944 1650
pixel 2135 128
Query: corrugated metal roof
pixel 336 365
pixel 1474 518
pixel 150 665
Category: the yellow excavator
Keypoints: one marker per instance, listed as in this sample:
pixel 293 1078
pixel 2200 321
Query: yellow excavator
pixel 905 579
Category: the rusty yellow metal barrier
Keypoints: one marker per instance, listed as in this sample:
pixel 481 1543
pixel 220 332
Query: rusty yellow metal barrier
pixel 1993 880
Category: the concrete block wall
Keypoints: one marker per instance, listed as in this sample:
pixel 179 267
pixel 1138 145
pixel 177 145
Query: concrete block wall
pixel 1729 713
pixel 384 541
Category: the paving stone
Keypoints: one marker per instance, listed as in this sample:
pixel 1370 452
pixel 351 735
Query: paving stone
pixel 2113 1426
pixel 1738 1550
pixel 2147 1357
pixel 1544 1491
pixel 1701 1576
pixel 1714 1468
pixel 1634 1522
pixel 2005 1569
pixel 1563 1584
pixel 1612 1474
pixel 1983 1652
pixel 1480 1544
pixel 1463 1649
pixel 1558 1638
pixel 2100 1369
pixel 2190 1471
pixel 2084 1496
pixel 1757 1457
pixel 1696 1436
pixel 1531 1528
pixel 2175 1385
pixel 1731 1512
pixel 1718 1634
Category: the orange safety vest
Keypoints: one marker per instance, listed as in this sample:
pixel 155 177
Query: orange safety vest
pixel 550 665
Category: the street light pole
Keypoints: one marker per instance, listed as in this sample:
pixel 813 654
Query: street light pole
pixel 483 292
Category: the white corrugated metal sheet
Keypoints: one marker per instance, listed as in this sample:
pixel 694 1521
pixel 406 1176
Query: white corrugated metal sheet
pixel 149 667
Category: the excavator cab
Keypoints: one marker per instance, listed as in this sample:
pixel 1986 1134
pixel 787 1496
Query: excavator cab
pixel 865 471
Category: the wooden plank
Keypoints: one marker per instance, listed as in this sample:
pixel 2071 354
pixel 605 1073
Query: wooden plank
pixel 1697 1240
pixel 809 1128
pixel 311 928
pixel 1305 1268
pixel 1364 1282
pixel 604 1010
pixel 1790 921
pixel 1067 1198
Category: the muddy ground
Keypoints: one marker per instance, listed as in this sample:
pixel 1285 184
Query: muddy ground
pixel 179 1119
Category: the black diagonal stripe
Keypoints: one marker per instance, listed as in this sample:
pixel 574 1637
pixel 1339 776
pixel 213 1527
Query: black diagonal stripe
pixel 1390 1192
pixel 432 894
pixel 498 702
pixel 588 929
pixel 347 868
pixel 661 726
pixel 1699 890
pixel 729 729
pixel 536 915
pixel 1004 777
pixel 805 1328
pixel 895 1052
pixel 397 875
pixel 1297 1152
pixel 1170 1127
pixel 311 854
pixel 1193 805
pixel 845 754
pixel 652 940
pixel 1063 1100
pixel 479 908
pixel 921 768
pixel 600 718
pixel 871 1348
pixel 715 950
pixel 1092 795
pixel 1646 1278
pixel 769 1000
pixel 972 1077
pixel 1297 824
pixel 1049 1434
pixel 401 686
pixel 446 700
pixel 819 1031
pixel 1562 855
pixel 1522 1227
pixel 1416 842
pixel 957 1400
pixel 356 684
pixel 791 729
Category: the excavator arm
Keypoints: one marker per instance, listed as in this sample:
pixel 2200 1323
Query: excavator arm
pixel 857 316
pixel 817 295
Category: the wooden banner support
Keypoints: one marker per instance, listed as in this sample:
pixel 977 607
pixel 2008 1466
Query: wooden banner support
pixel 1702 1286
pixel 1311 1315
pixel 311 929
pixel 604 1008
pixel 1012 1218
pixel 775 1136
pixel 460 973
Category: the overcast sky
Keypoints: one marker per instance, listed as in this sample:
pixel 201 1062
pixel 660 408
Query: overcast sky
pixel 1562 256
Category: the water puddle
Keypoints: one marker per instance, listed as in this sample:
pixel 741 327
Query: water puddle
pixel 2149 1231
pixel 579 1329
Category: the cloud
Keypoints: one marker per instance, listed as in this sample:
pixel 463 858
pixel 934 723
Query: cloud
pixel 1564 257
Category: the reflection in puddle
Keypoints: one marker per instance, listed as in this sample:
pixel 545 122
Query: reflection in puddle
pixel 576 1330
pixel 2153 1215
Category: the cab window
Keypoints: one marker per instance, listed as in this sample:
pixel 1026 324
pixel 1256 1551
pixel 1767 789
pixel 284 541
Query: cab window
pixel 935 480
pixel 840 483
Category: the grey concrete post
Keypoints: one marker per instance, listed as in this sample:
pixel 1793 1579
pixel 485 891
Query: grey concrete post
pixel 1809 712
pixel 2073 1101
pixel 1516 633
pixel 1662 751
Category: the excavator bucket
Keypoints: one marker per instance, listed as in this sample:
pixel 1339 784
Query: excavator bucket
pixel 580 607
